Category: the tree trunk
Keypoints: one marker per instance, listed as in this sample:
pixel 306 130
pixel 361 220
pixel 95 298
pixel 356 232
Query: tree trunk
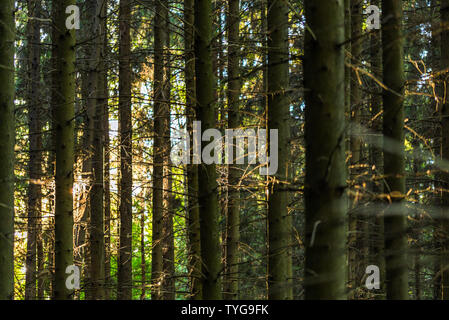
pixel 208 188
pixel 231 283
pixel 168 239
pixel 161 123
pixel 325 184
pixel 103 86
pixel 35 140
pixel 193 219
pixel 395 222
pixel 124 276
pixel 96 233
pixel 355 144
pixel 444 220
pixel 376 157
pixel 279 223
pixel 63 97
pixel 7 133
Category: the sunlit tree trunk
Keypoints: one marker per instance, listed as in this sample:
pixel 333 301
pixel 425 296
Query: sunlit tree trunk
pixel 63 97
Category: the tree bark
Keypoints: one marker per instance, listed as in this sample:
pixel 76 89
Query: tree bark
pixel 63 97
pixel 193 219
pixel 231 283
pixel 208 188
pixel 376 156
pixel 395 222
pixel 35 140
pixel 279 223
pixel 96 239
pixel 160 148
pixel 124 276
pixel 355 144
pixel 7 133
pixel 325 182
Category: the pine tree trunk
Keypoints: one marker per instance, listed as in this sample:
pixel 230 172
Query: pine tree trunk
pixel 168 239
pixel 63 97
pixel 7 133
pixel 96 233
pixel 124 276
pixel 231 283
pixel 103 87
pixel 355 144
pixel 161 110
pixel 193 220
pixel 208 188
pixel 325 184
pixel 35 138
pixel 279 223
pixel 376 157
pixel 395 222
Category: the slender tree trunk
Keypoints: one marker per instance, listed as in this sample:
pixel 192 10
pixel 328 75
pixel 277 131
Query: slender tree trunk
pixel 125 194
pixel 208 188
pixel 161 109
pixel 168 239
pixel 231 283
pixel 35 139
pixel 264 107
pixel 103 86
pixel 89 76
pixel 325 184
pixel 193 219
pixel 376 157
pixel 63 97
pixel 355 143
pixel 96 239
pixel 143 263
pixel 395 222
pixel 279 224
pixel 7 133
pixel 436 143
pixel 444 260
